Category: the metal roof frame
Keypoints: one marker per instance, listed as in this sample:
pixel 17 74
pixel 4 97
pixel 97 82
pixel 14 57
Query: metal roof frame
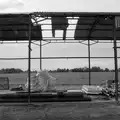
pixel 91 25
pixel 88 28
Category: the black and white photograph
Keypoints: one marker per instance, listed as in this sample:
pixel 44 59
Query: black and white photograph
pixel 59 59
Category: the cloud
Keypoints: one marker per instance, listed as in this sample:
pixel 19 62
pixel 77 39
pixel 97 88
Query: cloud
pixel 11 4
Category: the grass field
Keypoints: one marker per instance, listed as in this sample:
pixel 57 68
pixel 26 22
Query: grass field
pixel 65 77
pixel 74 79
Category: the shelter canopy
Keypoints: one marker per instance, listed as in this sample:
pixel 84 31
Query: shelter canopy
pixel 16 27
pixel 89 26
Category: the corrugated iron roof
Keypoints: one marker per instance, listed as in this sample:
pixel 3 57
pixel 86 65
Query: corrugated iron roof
pixel 90 25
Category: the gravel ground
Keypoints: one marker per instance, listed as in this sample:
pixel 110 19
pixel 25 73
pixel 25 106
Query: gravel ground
pixel 95 110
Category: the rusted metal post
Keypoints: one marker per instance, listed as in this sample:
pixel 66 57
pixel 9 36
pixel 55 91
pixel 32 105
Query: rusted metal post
pixel 115 61
pixel 89 62
pixel 29 62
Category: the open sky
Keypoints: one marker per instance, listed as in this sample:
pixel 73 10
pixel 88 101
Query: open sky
pixel 12 6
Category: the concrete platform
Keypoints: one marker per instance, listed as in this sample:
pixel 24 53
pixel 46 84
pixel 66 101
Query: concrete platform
pixel 94 110
pixel 13 96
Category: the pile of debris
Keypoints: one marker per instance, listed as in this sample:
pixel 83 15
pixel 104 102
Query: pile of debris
pixel 92 89
pixel 106 89
pixel 42 82
pixel 109 88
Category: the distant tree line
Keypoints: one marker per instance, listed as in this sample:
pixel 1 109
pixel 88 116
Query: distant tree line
pixel 84 69
pixel 11 70
pixel 15 70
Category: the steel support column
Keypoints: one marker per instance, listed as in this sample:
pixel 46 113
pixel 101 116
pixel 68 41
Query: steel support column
pixel 29 63
pixel 89 62
pixel 115 62
pixel 40 54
